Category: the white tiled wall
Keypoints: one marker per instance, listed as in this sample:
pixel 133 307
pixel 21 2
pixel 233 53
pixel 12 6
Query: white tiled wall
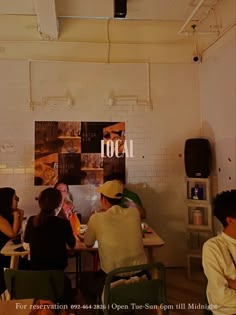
pixel 218 103
pixel 156 172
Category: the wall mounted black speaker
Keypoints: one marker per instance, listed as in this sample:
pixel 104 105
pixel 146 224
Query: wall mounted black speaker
pixel 120 8
pixel 197 157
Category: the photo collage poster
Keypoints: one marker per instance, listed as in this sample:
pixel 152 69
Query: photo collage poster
pixel 78 153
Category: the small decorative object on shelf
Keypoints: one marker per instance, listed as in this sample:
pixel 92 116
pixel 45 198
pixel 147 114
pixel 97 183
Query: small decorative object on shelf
pixel 199 218
pixel 197 192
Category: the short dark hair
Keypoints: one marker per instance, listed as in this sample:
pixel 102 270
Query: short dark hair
pixel 49 199
pixel 112 201
pixel 224 206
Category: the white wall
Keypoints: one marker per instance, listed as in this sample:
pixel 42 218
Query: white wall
pixel 156 172
pixel 177 89
pixel 217 77
pixel 218 102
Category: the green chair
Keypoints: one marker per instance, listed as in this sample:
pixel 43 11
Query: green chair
pixel 31 284
pixel 145 294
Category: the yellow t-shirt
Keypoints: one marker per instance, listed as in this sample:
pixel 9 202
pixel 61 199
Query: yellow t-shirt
pixel 119 235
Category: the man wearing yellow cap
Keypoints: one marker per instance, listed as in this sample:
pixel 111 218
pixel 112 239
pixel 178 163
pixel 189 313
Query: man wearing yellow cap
pixel 118 232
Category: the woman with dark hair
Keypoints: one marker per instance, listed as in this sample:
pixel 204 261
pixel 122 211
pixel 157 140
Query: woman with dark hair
pixel 48 236
pixel 11 218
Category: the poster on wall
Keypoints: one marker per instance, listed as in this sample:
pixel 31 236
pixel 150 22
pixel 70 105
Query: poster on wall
pixel 78 153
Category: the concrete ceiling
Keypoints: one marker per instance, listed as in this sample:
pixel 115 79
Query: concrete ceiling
pixel 136 9
pixel 25 23
pixel 49 12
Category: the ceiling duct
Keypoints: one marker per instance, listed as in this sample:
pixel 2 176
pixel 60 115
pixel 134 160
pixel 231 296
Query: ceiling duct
pixel 120 8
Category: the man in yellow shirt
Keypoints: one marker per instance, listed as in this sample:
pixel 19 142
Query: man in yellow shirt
pixel 119 235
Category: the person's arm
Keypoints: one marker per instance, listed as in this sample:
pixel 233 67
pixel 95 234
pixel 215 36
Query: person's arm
pixel 132 200
pixel 18 215
pixel 142 212
pixel 90 235
pixel 21 212
pixel 68 209
pixel 140 207
pixel 218 291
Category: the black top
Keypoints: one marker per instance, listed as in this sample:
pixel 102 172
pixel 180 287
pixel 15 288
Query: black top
pixel 3 237
pixel 48 243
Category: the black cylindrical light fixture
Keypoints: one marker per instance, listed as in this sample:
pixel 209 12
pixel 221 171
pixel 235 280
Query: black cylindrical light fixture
pixel 120 8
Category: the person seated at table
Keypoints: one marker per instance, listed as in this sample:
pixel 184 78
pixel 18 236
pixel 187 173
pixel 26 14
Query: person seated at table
pixel 67 210
pixel 119 235
pixel 219 257
pixel 49 236
pixel 129 199
pixel 11 218
pixel 67 200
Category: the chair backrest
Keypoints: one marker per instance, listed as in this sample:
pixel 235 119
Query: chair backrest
pixel 151 292
pixel 27 284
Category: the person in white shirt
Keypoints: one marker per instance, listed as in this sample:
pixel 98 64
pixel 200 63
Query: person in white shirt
pixel 219 257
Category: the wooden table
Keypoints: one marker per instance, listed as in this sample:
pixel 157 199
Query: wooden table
pixel 150 242
pixel 9 250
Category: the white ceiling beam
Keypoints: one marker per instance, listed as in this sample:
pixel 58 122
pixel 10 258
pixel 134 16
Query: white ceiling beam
pixel 48 25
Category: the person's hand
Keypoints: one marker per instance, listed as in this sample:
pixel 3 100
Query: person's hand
pixel 16 214
pixel 68 209
pixel 231 284
pixel 21 212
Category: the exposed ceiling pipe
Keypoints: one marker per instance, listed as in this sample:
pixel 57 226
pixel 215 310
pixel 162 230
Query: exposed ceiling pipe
pixel 190 33
pixel 227 29
pixel 190 16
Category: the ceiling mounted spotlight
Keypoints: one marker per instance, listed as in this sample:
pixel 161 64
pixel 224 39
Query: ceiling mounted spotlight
pixel 120 8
